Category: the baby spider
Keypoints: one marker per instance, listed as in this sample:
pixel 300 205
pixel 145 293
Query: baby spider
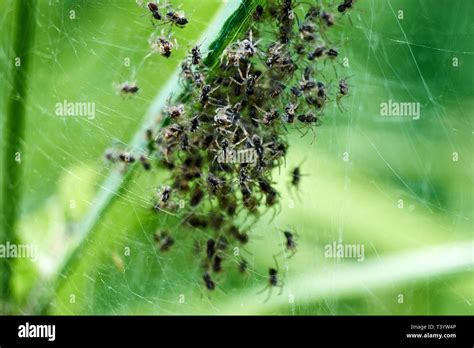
pixel 196 56
pixel 233 57
pixel 164 240
pixel 271 195
pixel 290 243
pixel 327 18
pixel 296 91
pixel 243 266
pixel 217 264
pixel 312 13
pixel 163 44
pixel 175 111
pixel 290 112
pixel 195 123
pixel 286 18
pixel 127 88
pixel 321 90
pixel 173 131
pixel 198 78
pixel 110 155
pixel 165 194
pixel 178 18
pixel 196 221
pixel 332 53
pixel 164 200
pixel 126 157
pixel 274 54
pixel 227 115
pixel 145 162
pixel 153 7
pixel 211 248
pixel 307 31
pixel 347 4
pixel 287 10
pixel 270 116
pixel 242 237
pixel 186 71
pixel 248 47
pixel 316 53
pixel 277 88
pixel 210 285
pixel 249 201
pixel 308 120
pixel 345 7
pixel 248 81
pixel 240 51
pixel 258 14
pixel 343 87
pixel 273 281
pixel 279 58
pixel 205 96
pixel 295 176
pixel 307 83
pixel 343 91
pixel 215 183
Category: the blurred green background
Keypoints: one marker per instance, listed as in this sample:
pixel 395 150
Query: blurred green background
pixel 356 171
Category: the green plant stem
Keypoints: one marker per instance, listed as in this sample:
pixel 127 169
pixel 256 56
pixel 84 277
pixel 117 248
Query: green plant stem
pixel 232 19
pixel 23 28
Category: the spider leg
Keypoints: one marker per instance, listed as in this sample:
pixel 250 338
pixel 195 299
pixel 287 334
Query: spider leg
pixel 275 213
pixel 276 263
pixel 292 253
pixel 261 291
pixel 240 73
pixel 299 130
pixel 334 68
pixel 298 195
pixel 304 134
pixel 237 82
pixel 214 102
pixel 339 104
pixel 269 295
pixel 280 253
pixel 314 136
pixel 350 20
pixel 247 72
pixel 281 289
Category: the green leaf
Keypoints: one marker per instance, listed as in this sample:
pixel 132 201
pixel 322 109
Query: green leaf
pixel 23 31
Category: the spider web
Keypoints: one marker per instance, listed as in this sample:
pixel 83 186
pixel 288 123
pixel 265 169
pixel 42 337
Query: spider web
pixel 354 174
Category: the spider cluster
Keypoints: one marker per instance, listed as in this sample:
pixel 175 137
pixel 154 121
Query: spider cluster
pixel 162 15
pixel 165 14
pixel 222 142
